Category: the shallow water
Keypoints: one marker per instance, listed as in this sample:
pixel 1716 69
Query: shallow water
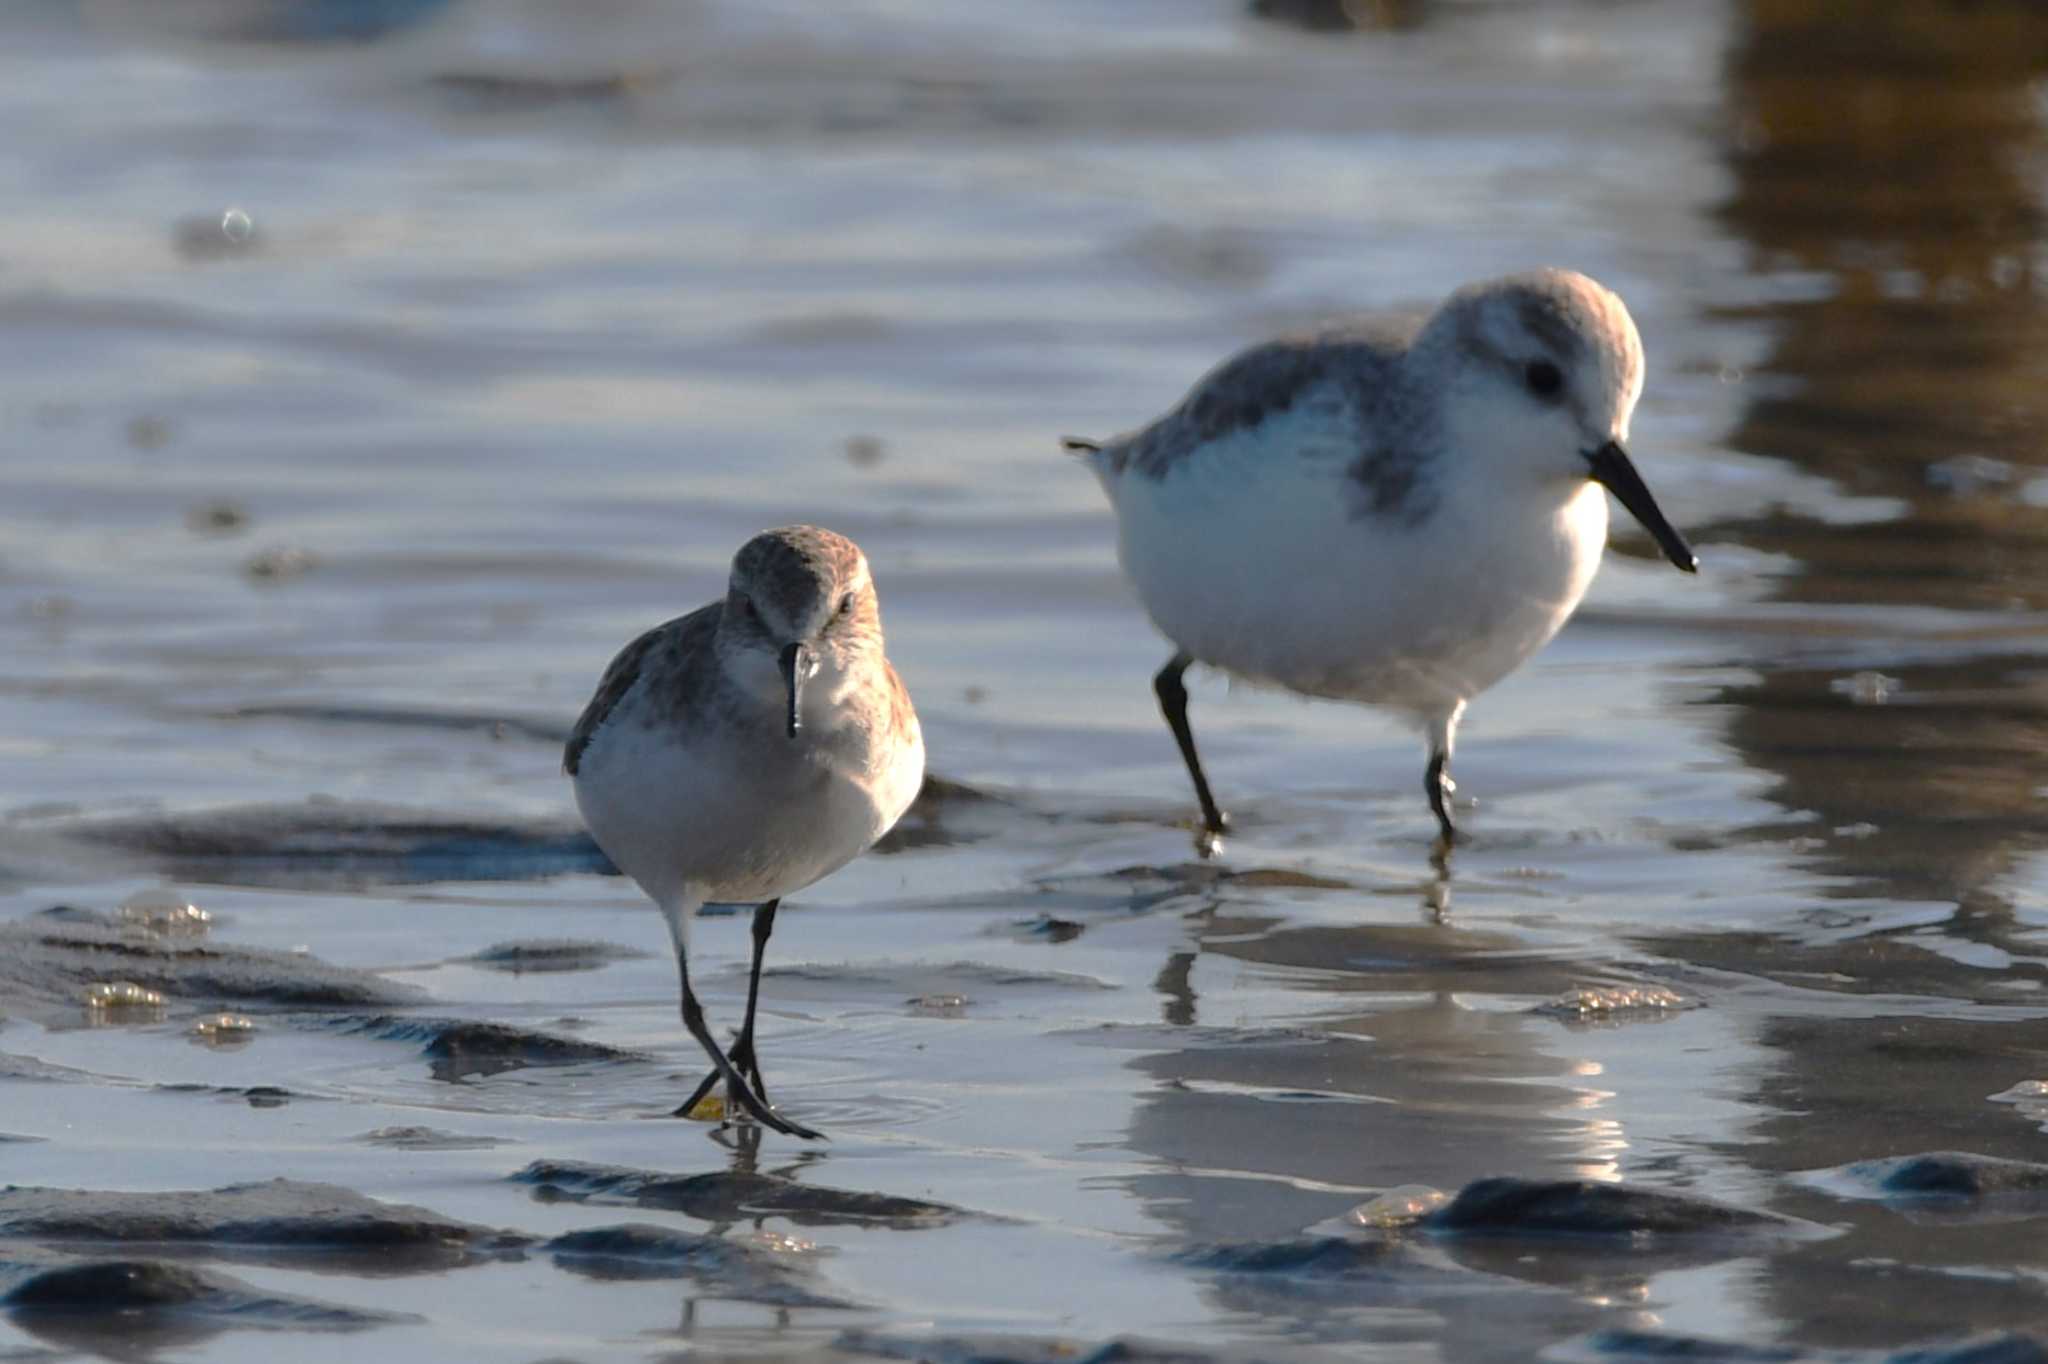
pixel 318 522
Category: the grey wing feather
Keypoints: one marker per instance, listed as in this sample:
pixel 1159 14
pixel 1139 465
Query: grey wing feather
pixel 683 637
pixel 1350 364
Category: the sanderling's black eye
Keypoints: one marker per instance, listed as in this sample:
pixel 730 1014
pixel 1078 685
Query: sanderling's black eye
pixel 845 607
pixel 1544 379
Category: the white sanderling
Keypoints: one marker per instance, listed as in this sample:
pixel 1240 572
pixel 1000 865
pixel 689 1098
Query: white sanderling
pixel 737 754
pixel 1388 515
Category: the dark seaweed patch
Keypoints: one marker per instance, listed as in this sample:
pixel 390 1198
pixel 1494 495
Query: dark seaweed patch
pixel 1653 1346
pixel 1506 1206
pixel 1005 1349
pixel 280 1215
pixel 256 1096
pixel 724 1196
pixel 328 843
pixel 1949 1174
pixel 551 954
pixel 1326 1255
pixel 427 1139
pixel 721 1267
pixel 102 1287
pixel 958 977
pixel 460 1047
pixel 46 965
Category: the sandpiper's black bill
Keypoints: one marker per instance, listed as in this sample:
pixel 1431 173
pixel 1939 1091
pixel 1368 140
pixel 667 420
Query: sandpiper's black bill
pixel 794 660
pixel 1612 470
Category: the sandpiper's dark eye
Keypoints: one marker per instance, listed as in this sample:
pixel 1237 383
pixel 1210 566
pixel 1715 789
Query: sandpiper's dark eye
pixel 1544 379
pixel 845 607
pixel 747 612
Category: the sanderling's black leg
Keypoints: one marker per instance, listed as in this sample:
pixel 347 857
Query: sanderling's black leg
pixel 1173 702
pixel 742 1053
pixel 736 1087
pixel 1437 782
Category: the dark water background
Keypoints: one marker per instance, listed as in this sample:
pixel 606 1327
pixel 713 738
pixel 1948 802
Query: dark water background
pixel 369 372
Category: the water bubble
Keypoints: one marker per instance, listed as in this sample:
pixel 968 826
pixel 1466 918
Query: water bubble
pixel 1397 1207
pixel 1589 1002
pixel 224 1030
pixel 204 237
pixel 121 996
pixel 163 910
pixel 1866 688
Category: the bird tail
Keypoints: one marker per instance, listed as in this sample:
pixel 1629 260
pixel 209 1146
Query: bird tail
pixel 1079 445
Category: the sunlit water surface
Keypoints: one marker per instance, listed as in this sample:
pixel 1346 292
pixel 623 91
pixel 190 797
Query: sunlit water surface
pixel 373 371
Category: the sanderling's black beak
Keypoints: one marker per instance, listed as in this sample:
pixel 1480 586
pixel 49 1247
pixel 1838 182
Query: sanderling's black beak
pixel 796 665
pixel 1612 469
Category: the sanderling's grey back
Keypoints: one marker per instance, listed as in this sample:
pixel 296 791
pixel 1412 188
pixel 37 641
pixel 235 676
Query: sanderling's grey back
pixel 1392 515
pixel 741 752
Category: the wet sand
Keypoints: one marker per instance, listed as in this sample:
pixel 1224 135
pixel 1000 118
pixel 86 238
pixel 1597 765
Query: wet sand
pixel 1720 1039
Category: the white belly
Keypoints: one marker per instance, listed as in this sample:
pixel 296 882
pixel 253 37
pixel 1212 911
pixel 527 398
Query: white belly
pixel 1285 584
pixel 741 822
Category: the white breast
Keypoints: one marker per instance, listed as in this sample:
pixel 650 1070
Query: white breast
pixel 1270 569
pixel 710 814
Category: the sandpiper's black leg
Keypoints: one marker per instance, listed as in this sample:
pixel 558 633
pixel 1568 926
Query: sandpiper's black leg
pixel 742 1053
pixel 1437 782
pixel 743 1050
pixel 736 1087
pixel 1173 702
